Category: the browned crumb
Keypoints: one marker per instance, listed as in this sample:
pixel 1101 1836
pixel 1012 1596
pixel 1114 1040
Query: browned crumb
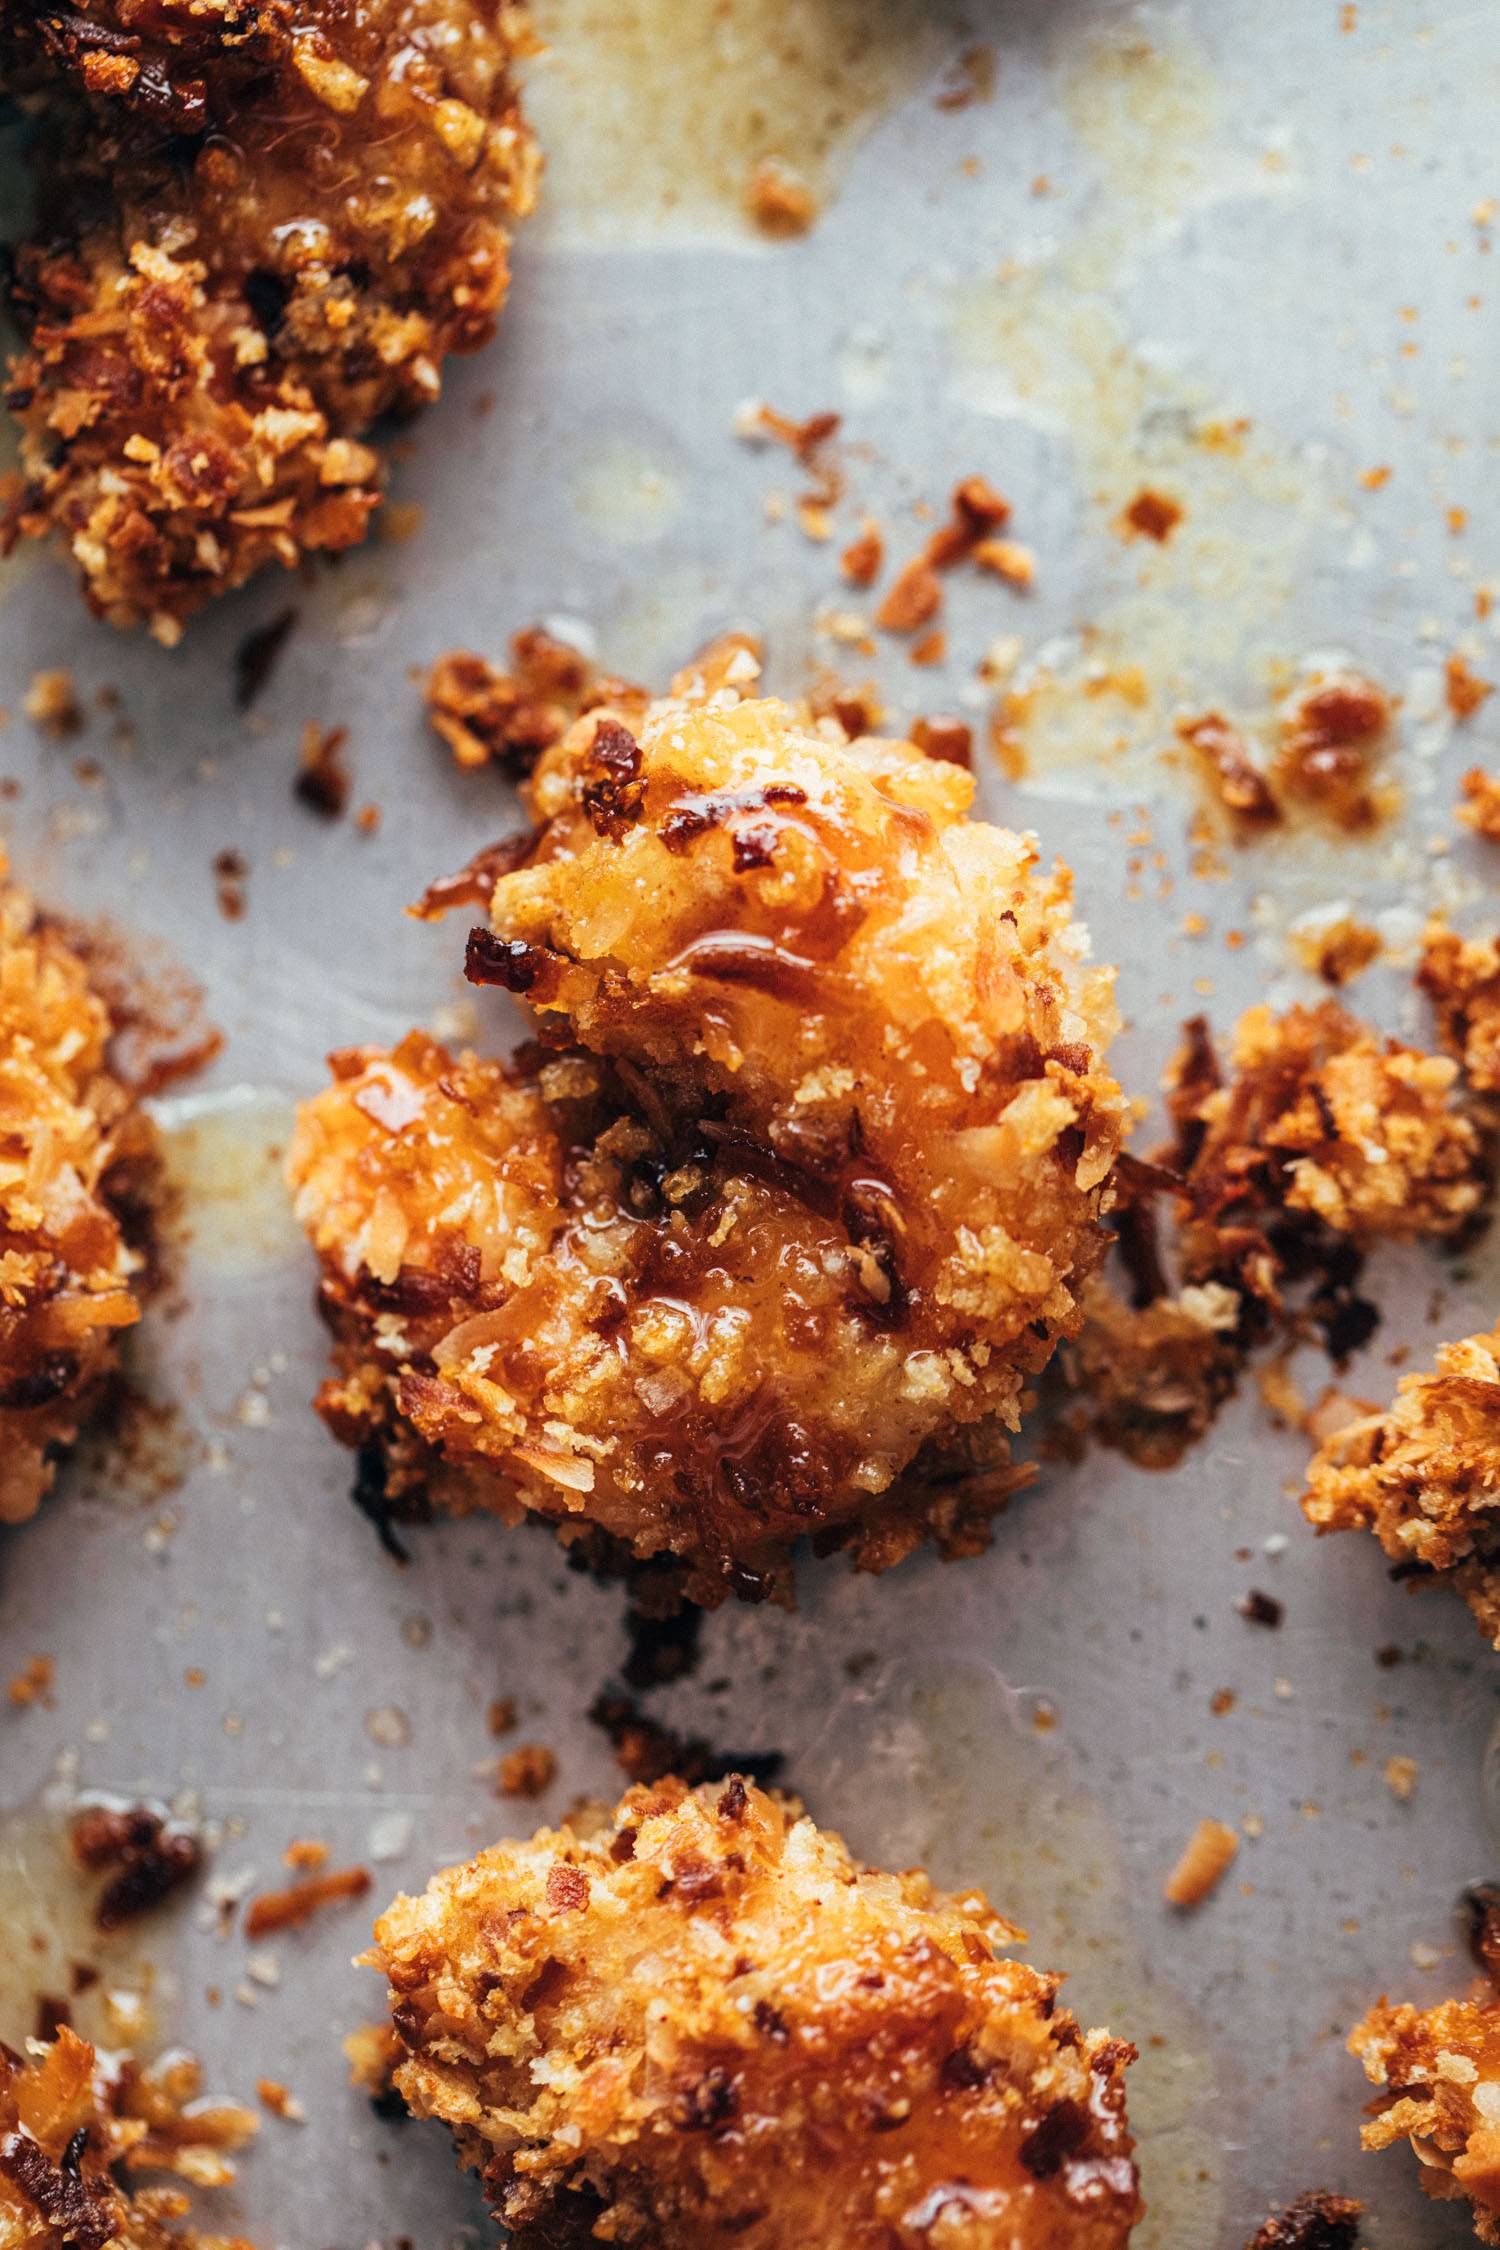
pixel 975 511
pixel 1439 2071
pixel 262 229
pixel 52 703
pixel 305 1854
pixel 526 1771
pixel 1008 559
pixel 862 559
pixel 1338 951
pixel 76 1189
pixel 1205 1861
pixel 1314 2222
pixel 231 872
pixel 1150 515
pixel 1481 807
pixel 647 1751
pixel 284 1910
pixel 779 200
pixel 1425 1476
pixel 75 2130
pixel 146 1856
pixel 973 79
pixel 1239 783
pixel 322 782
pixel 769 1237
pixel 33 1683
pixel 509 718
pixel 949 739
pixel 1330 738
pixel 1401 1777
pixel 913 599
pixel 373 2052
pixel 1464 689
pixel 501 1715
pixel 1462 979
pixel 707 2025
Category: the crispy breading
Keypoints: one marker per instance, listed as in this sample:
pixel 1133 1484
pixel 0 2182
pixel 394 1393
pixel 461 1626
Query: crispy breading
pixel 75 2129
pixel 75 1154
pixel 707 2025
pixel 259 228
pixel 1461 977
pixel 797 1191
pixel 1425 1476
pixel 1441 2071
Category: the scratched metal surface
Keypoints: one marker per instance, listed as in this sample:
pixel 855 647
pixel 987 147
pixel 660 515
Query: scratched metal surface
pixel 1178 219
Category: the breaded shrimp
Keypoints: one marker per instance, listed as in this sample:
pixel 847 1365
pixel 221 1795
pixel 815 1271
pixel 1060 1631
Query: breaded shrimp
pixel 75 1157
pixel 767 1235
pixel 708 2025
pixel 75 2126
pixel 259 228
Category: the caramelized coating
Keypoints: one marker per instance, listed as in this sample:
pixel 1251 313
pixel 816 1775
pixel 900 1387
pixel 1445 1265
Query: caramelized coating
pixel 708 2026
pixel 74 2129
pixel 75 1158
pixel 260 227
pixel 1440 2068
pixel 1461 977
pixel 1425 1476
pixel 797 1193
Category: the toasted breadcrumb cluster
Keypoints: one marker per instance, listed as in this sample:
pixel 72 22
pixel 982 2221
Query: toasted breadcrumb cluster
pixel 259 228
pixel 76 1157
pixel 1461 977
pixel 77 2127
pixel 706 2025
pixel 767 1233
pixel 1440 2068
pixel 491 717
pixel 1425 1476
pixel 1322 1139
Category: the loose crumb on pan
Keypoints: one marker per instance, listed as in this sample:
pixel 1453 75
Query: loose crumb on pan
pixel 1480 809
pixel 526 1771
pixel 1319 2221
pixel 490 717
pixel 767 1236
pixel 1204 1862
pixel 77 1187
pixel 77 2129
pixel 1439 2074
pixel 706 2024
pixel 1465 691
pixel 265 228
pixel 286 1909
pixel 1424 1476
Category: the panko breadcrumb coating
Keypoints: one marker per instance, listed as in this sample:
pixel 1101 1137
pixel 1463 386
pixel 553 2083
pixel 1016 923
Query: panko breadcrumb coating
pixel 259 228
pixel 1425 1476
pixel 76 1155
pixel 708 2026
pixel 792 1198
pixel 1461 977
pixel 75 2127
pixel 1441 2071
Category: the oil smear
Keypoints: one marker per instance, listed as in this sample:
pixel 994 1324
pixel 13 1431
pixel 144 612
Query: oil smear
pixel 55 1956
pixel 969 1788
pixel 224 1153
pixel 657 114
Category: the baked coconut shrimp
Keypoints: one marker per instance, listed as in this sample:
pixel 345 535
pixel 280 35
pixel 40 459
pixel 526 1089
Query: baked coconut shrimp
pixel 767 1233
pixel 707 2025
pixel 76 2131
pixel 259 228
pixel 76 1161
pixel 1440 2071
pixel 1425 1476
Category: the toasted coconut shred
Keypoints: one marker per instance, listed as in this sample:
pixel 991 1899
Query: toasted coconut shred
pixel 798 1188
pixel 75 1157
pixel 706 2025
pixel 77 2130
pixel 262 227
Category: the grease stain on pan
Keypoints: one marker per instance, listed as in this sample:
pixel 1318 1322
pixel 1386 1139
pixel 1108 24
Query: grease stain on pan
pixel 52 1945
pixel 655 114
pixel 224 1153
pixel 970 1788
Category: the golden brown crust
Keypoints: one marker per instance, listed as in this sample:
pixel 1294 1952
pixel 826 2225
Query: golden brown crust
pixel 75 1153
pixel 259 229
pixel 706 2025
pixel 799 1191
pixel 1425 1476
pixel 75 2128
pixel 1440 2068
pixel 1461 977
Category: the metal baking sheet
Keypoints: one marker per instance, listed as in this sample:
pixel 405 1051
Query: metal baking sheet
pixel 1237 253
